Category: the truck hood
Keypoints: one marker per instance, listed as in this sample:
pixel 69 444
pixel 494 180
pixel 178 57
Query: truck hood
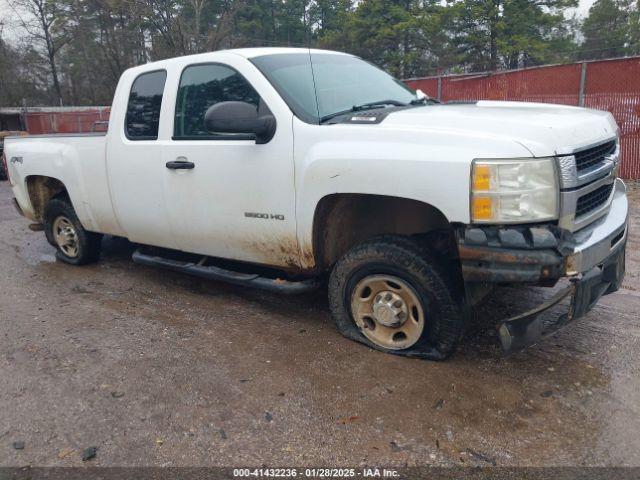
pixel 543 129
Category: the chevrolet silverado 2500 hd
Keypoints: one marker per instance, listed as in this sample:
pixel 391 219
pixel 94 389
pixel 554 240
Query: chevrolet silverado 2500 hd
pixel 273 167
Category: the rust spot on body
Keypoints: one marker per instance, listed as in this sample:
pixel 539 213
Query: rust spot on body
pixel 503 255
pixel 281 252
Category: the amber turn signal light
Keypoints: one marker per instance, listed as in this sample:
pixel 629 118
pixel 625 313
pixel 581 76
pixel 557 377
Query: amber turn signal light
pixel 482 208
pixel 481 178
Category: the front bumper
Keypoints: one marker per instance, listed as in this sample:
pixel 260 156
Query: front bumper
pixel 598 241
pixel 585 290
pixel 592 258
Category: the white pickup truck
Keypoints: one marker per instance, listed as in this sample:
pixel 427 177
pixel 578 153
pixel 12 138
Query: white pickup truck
pixel 275 167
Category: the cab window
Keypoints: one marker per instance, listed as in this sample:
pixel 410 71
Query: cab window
pixel 143 109
pixel 202 86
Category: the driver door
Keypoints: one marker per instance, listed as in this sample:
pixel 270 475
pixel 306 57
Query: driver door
pixel 228 196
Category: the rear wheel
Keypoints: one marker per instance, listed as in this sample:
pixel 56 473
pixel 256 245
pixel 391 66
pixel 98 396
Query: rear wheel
pixel 390 294
pixel 74 244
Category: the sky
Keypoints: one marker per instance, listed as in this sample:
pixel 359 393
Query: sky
pixel 583 7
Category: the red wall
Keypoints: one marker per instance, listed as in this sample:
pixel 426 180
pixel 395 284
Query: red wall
pixel 80 121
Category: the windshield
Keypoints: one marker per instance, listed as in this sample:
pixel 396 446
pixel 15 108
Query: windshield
pixel 336 83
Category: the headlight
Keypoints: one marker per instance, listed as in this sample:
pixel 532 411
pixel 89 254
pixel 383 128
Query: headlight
pixel 514 191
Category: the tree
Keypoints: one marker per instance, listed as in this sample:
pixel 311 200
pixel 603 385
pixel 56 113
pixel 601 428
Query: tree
pixel 74 51
pixel 24 75
pixel 608 30
pixel 635 29
pixel 45 21
pixel 405 37
pixel 490 34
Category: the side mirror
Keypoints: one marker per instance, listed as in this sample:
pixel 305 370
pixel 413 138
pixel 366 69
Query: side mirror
pixel 239 117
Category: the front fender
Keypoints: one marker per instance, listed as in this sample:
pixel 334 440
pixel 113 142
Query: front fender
pixel 365 159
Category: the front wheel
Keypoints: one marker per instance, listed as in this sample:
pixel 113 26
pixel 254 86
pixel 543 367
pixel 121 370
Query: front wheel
pixel 74 244
pixel 390 294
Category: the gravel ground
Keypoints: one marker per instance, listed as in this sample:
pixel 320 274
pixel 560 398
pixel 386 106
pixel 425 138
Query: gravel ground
pixel 157 368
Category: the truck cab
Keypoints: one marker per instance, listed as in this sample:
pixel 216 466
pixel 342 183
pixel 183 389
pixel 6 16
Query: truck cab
pixel 311 162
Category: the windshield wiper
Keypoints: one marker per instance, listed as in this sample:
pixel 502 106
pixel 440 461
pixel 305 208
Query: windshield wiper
pixel 380 103
pixel 363 106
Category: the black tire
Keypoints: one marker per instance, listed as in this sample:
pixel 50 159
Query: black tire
pixel 87 243
pixel 403 258
pixel 3 174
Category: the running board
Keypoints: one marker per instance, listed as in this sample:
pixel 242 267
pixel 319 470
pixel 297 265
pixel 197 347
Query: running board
pixel 229 276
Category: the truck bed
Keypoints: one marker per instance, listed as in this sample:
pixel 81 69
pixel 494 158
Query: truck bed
pixel 77 161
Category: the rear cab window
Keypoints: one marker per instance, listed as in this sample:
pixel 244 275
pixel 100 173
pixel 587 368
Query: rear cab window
pixel 143 108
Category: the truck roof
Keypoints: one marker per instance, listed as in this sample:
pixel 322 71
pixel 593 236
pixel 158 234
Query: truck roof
pixel 243 52
pixel 257 52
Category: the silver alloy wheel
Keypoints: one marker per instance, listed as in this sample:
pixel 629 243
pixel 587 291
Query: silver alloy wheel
pixel 66 236
pixel 387 311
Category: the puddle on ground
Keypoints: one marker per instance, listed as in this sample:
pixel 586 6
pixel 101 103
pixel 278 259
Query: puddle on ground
pixel 33 257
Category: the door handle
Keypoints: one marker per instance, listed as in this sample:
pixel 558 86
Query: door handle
pixel 180 165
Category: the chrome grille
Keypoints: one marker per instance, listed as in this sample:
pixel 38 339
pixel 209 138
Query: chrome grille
pixel 593 200
pixel 587 177
pixel 591 157
pixel 585 165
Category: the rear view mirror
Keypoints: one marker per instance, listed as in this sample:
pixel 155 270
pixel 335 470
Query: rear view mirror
pixel 240 117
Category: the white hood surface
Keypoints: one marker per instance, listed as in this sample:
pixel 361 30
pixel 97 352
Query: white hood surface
pixel 543 129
